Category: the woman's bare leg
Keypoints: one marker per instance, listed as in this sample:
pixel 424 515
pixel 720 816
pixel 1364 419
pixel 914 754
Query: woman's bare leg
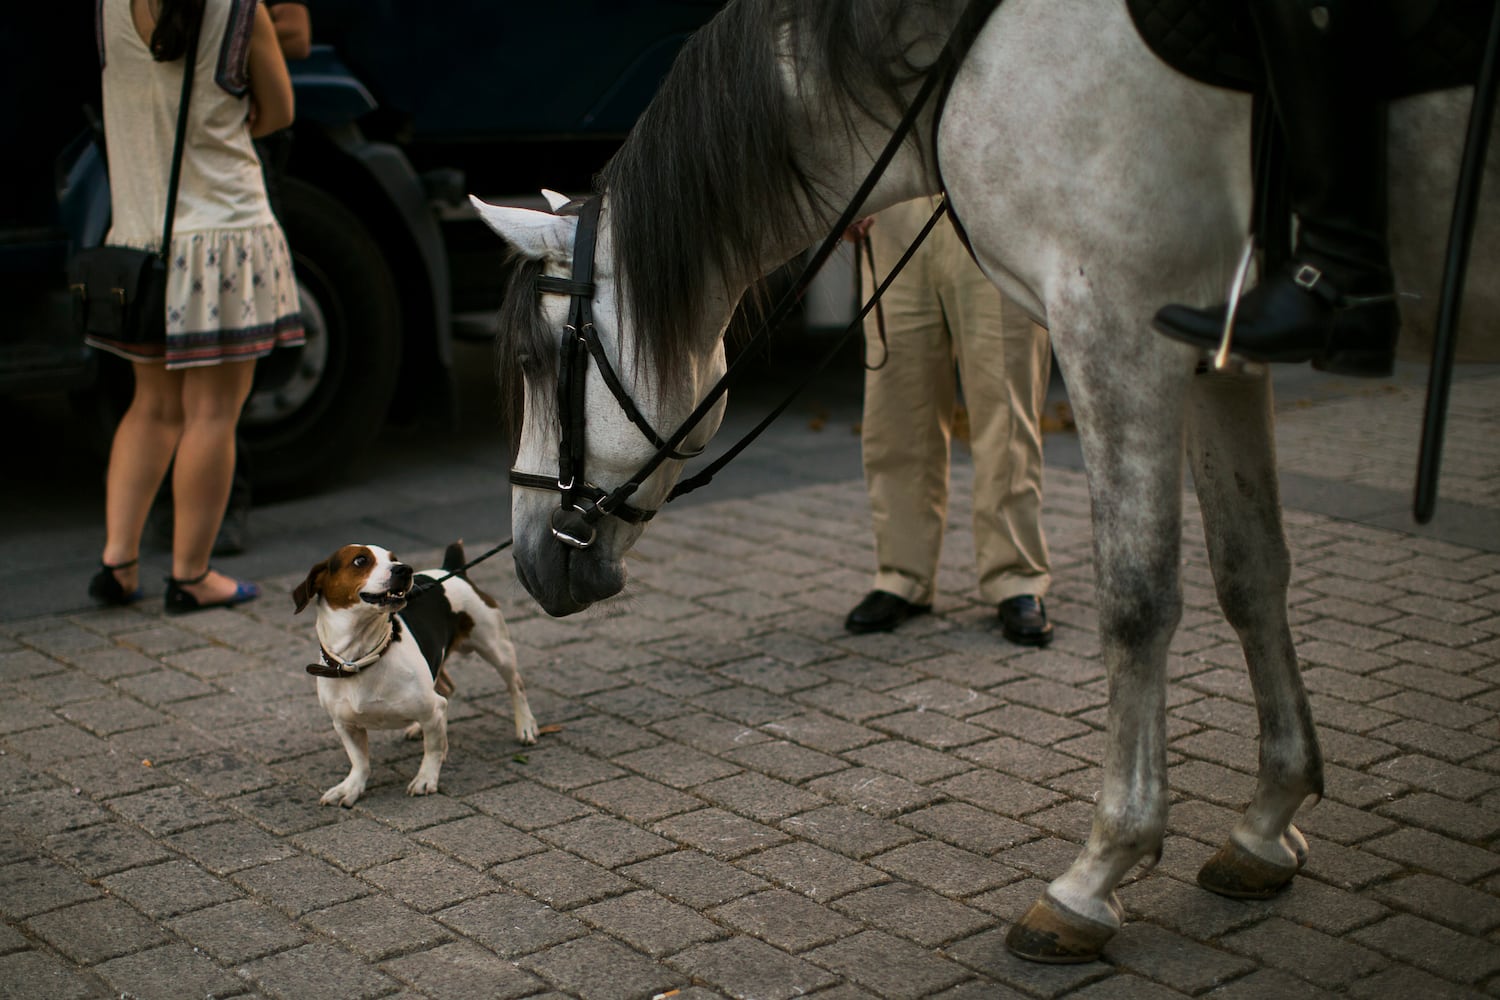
pixel 212 398
pixel 138 459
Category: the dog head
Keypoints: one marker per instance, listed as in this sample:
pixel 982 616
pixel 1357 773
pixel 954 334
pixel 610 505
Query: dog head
pixel 357 576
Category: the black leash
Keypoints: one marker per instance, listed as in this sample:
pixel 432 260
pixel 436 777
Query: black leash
pixel 1455 269
pixel 426 583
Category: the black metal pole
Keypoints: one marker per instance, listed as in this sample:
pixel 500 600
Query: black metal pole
pixel 1455 267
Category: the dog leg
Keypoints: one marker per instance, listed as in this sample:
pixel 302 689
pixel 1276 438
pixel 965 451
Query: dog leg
pixel 434 749
pixel 357 746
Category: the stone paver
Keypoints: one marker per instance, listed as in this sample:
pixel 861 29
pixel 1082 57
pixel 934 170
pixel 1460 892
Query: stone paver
pixel 742 800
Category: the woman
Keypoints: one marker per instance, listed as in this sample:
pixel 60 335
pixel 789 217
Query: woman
pixel 231 293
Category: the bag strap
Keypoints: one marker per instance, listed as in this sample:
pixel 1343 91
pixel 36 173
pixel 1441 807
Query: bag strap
pixel 190 60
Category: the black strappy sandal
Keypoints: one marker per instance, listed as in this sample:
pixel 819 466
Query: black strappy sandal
pixel 180 602
pixel 106 589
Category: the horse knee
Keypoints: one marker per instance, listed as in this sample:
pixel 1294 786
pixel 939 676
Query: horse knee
pixel 1251 582
pixel 1142 616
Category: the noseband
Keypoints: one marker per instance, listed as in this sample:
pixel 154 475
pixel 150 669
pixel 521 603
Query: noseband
pixel 582 503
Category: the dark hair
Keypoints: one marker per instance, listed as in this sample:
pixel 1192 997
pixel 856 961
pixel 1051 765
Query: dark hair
pixel 174 26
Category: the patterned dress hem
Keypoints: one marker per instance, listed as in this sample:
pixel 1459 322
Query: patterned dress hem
pixel 229 345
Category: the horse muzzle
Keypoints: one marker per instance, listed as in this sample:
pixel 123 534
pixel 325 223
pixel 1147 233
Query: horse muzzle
pixel 564 579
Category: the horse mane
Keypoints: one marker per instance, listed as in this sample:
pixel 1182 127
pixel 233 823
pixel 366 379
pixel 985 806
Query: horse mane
pixel 690 187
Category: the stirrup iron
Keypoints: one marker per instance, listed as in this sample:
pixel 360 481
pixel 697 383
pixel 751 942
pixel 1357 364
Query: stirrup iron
pixel 1247 256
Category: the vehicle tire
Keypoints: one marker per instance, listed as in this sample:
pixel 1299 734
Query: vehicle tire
pixel 314 409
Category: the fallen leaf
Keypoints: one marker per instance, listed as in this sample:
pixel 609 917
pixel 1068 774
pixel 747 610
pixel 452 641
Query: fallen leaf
pixel 551 728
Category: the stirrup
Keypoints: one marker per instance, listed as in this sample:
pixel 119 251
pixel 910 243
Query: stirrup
pixel 1247 256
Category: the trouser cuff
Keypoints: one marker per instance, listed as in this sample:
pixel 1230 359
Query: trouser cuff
pixel 905 587
pixel 1007 587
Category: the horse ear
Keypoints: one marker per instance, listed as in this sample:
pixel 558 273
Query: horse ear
pixel 533 234
pixel 556 200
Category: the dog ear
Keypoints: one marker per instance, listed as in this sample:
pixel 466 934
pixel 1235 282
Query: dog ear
pixel 309 588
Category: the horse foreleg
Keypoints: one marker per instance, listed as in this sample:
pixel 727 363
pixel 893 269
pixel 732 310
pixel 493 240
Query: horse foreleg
pixel 1231 441
pixel 1131 432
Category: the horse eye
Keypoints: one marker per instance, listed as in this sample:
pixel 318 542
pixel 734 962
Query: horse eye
pixel 527 363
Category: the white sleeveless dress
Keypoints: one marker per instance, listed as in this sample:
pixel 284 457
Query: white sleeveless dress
pixel 231 290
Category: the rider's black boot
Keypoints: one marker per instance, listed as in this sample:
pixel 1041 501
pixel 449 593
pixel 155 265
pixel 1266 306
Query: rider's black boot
pixel 1334 303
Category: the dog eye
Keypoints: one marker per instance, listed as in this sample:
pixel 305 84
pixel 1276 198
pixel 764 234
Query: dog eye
pixel 361 561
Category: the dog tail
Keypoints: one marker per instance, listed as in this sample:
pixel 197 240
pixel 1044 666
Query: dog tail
pixel 453 560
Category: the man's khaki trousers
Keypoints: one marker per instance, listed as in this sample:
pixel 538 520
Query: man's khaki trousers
pixel 942 310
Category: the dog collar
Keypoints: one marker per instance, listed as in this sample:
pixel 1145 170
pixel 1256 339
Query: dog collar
pixel 337 666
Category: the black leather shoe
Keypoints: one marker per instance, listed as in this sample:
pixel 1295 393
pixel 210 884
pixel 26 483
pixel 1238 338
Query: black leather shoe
pixel 1024 621
pixel 882 611
pixel 1296 315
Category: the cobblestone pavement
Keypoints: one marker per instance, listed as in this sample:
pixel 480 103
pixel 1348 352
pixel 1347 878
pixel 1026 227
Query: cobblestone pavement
pixel 742 800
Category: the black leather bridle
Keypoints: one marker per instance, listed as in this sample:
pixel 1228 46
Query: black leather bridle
pixel 583 503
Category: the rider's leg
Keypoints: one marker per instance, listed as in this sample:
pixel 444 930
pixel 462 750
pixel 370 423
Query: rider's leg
pixel 1334 303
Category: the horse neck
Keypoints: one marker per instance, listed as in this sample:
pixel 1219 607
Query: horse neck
pixel 838 157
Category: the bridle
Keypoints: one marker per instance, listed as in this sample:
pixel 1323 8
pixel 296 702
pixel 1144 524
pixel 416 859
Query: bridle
pixel 583 505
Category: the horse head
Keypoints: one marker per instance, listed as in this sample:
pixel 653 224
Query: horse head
pixel 590 400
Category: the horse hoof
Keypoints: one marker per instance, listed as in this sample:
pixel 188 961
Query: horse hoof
pixel 1238 874
pixel 1053 934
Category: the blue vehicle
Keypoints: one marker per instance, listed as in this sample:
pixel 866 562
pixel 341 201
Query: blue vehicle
pixel 402 111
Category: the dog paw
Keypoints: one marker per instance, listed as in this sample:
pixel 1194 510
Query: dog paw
pixel 413 731
pixel 339 795
pixel 422 785
pixel 526 731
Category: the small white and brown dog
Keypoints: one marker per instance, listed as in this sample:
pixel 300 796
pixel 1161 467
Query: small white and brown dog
pixel 386 634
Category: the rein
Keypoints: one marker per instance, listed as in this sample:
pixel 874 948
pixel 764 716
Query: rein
pixel 582 504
